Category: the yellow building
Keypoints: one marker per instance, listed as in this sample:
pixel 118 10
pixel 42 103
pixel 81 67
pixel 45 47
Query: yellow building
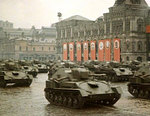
pixel 29 49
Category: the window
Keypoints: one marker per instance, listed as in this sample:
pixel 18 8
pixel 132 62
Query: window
pixel 128 45
pixel 136 1
pixel 139 45
pixel 139 58
pixel 33 48
pixel 20 48
pixel 127 58
pixel 140 25
pixel 127 25
pixel 107 27
pixel 26 48
pixel 133 45
pixel 42 48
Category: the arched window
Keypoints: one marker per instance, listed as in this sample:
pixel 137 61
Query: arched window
pixel 139 45
pixel 140 25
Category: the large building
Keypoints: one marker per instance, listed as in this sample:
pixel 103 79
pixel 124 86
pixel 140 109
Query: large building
pixel 28 49
pixel 28 44
pixel 122 34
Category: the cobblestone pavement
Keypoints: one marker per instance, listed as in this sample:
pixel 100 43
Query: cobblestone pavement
pixel 30 101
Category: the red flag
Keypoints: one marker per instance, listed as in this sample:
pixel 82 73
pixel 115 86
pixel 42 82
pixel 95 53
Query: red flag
pixel 71 51
pixel 65 52
pixel 93 50
pixel 85 50
pixel 148 29
pixel 101 47
pixel 108 50
pixel 117 50
pixel 78 51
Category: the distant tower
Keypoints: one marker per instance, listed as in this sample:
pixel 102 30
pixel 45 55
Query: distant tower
pixel 59 16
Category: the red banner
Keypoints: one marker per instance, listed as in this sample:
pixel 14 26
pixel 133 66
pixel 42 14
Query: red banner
pixel 85 51
pixel 71 51
pixel 65 52
pixel 108 50
pixel 78 51
pixel 117 50
pixel 148 29
pixel 93 50
pixel 101 47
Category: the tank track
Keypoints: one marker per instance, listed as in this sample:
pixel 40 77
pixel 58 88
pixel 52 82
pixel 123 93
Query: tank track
pixel 139 90
pixel 65 98
pixel 25 83
pixel 75 100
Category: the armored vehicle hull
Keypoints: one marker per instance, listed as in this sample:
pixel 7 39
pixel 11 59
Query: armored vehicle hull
pixel 139 85
pixel 78 98
pixel 15 78
pixel 115 74
pixel 74 88
pixel 42 68
pixel 139 90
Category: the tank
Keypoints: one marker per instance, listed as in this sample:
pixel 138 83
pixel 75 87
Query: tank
pixel 114 72
pixel 75 88
pixel 28 68
pixel 42 68
pixel 91 65
pixel 10 74
pixel 139 85
pixel 132 65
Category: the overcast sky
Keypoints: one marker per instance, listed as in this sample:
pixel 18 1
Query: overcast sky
pixel 25 13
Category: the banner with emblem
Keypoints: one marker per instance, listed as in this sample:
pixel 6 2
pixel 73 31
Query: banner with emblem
pixel 148 29
pixel 85 51
pixel 71 51
pixel 117 50
pixel 93 50
pixel 78 51
pixel 101 50
pixel 65 52
pixel 107 50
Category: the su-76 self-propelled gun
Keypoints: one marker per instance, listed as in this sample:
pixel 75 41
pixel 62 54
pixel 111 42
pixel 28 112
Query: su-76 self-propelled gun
pixel 113 71
pixel 73 87
pixel 27 67
pixel 139 85
pixel 10 73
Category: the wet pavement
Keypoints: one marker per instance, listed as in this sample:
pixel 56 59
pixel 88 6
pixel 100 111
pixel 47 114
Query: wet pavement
pixel 30 101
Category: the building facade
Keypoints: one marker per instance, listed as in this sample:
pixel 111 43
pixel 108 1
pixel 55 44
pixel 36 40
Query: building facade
pixel 122 34
pixel 25 49
pixel 28 44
